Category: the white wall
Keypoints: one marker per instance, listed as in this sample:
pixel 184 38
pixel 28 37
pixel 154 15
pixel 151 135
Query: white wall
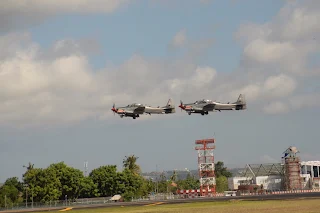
pixel 306 181
pixel 273 182
pixel 233 182
pixel 269 182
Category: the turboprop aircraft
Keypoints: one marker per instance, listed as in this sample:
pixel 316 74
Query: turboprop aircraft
pixel 205 106
pixel 201 106
pixel 240 104
pixel 131 110
pixel 169 108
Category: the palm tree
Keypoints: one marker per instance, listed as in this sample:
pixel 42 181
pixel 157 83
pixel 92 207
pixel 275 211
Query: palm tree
pixel 174 176
pixel 29 167
pixel 130 163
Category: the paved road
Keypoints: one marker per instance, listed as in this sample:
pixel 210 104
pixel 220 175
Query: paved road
pixel 176 201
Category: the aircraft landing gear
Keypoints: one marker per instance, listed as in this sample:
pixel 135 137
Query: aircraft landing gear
pixel 135 116
pixel 189 113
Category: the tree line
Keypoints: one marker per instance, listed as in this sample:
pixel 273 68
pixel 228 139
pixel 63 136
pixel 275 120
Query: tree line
pixel 60 182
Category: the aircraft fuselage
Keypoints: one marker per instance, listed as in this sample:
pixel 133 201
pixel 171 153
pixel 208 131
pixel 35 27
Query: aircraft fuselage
pixel 159 110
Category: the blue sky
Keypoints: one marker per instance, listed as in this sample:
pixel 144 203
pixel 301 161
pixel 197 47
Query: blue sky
pixel 57 96
pixel 147 28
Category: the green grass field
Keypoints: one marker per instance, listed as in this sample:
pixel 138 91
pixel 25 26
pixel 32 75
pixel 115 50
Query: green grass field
pixel 238 206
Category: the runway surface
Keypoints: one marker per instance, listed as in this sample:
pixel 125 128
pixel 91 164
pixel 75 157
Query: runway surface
pixel 177 201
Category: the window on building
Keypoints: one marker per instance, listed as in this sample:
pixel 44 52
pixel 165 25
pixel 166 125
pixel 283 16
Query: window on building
pixel 315 171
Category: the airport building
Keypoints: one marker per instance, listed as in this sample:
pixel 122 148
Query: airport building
pixel 290 174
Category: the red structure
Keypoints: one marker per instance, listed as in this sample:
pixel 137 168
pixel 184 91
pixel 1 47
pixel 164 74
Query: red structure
pixel 207 178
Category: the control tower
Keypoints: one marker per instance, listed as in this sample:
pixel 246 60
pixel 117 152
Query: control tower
pixel 292 169
pixel 205 149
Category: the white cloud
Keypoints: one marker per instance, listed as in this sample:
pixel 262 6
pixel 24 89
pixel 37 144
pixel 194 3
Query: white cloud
pixel 66 47
pixel 279 86
pixel 251 91
pixel 38 89
pixel 203 76
pixel 179 39
pixel 303 21
pixel 19 14
pixel 58 6
pixel 276 56
pixel 286 42
pixel 59 85
pixel 266 52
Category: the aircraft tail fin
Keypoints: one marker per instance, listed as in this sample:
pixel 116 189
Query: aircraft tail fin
pixel 241 101
pixel 170 103
pixel 170 106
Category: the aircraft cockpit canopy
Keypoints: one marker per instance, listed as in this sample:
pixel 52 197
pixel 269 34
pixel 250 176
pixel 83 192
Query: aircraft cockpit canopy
pixel 203 101
pixel 135 105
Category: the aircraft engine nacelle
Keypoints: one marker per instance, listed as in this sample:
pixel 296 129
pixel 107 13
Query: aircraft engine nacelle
pixel 239 107
pixel 170 110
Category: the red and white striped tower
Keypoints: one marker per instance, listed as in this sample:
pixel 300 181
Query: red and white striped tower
pixel 205 149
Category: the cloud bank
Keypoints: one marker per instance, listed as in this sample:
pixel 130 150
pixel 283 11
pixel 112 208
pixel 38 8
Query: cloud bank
pixel 17 14
pixel 58 85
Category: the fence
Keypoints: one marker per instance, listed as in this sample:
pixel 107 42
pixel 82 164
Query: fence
pixel 106 200
pixel 81 201
pixel 58 203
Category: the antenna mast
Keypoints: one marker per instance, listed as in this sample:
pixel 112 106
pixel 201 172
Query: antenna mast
pixel 85 168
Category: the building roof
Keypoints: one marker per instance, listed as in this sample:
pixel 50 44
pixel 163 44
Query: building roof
pixel 310 163
pixel 253 170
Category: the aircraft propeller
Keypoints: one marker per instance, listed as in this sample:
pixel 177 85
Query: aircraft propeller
pixel 181 105
pixel 114 109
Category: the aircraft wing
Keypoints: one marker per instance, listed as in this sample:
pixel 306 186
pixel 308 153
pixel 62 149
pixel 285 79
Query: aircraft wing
pixel 139 110
pixel 208 107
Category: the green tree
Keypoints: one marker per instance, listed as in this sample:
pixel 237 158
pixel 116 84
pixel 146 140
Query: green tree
pixel 54 182
pixel 70 179
pixel 130 185
pixel 221 184
pixel 10 192
pixel 105 177
pixel 88 188
pixel 146 187
pixel 174 176
pixel 189 183
pixel 44 184
pixel 221 170
pixel 130 162
pixel 14 181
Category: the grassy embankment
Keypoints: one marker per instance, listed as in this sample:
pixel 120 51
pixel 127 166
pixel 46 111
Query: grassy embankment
pixel 237 206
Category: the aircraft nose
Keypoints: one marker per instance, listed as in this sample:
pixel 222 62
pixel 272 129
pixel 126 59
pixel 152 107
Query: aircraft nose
pixel 181 106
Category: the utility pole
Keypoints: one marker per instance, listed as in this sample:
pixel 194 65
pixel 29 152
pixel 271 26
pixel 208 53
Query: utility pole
pixel 157 179
pixel 32 197
pixel 26 197
pixel 85 168
pixel 26 187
